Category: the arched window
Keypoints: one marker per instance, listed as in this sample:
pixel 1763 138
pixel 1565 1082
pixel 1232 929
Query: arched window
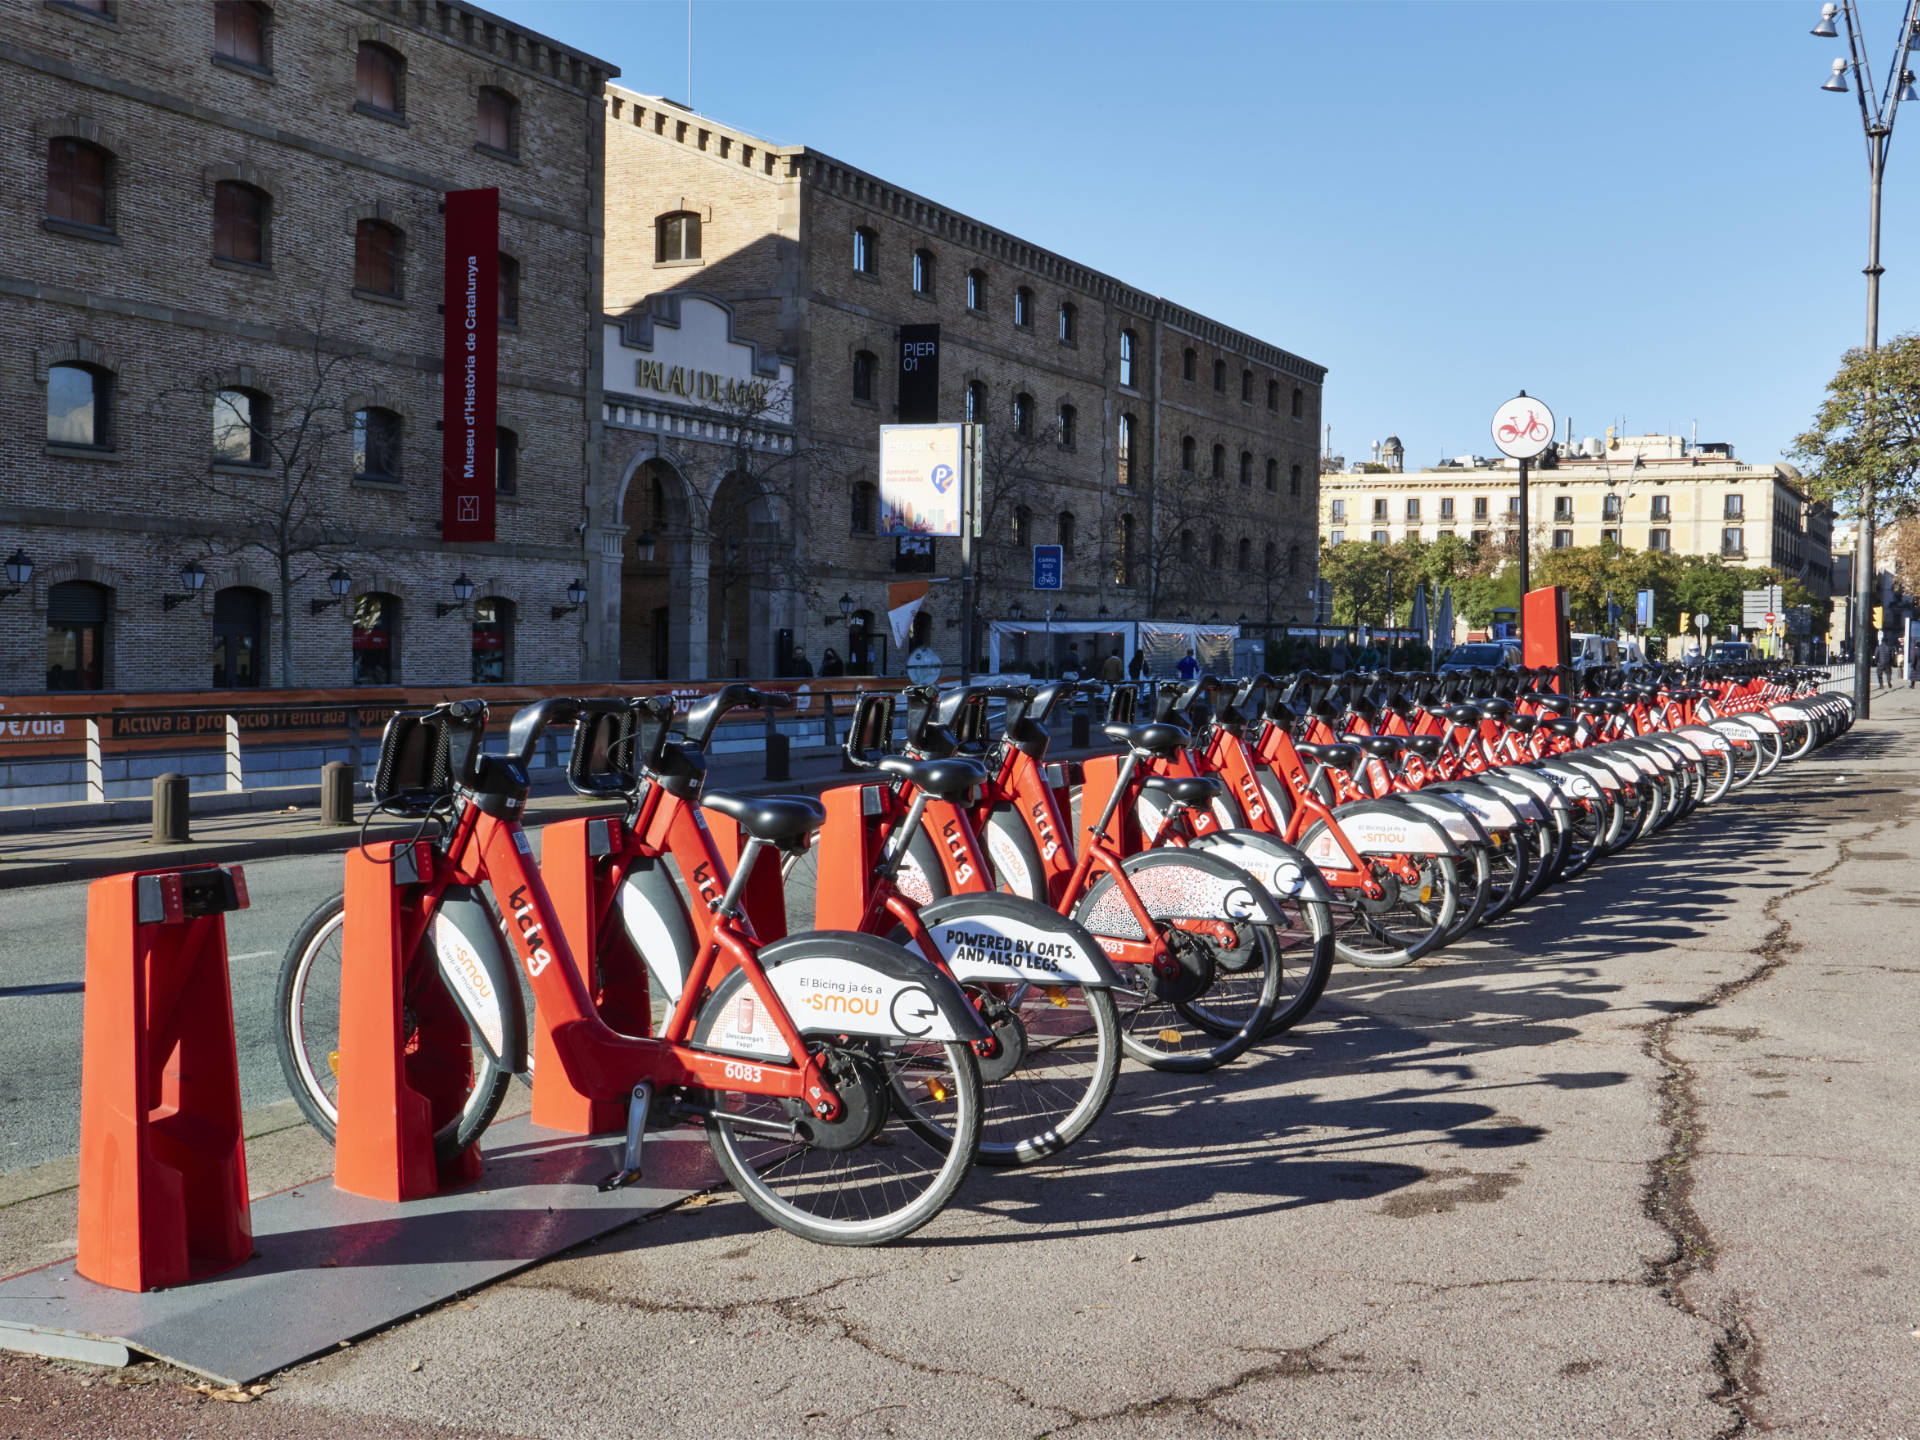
pixel 1066 533
pixel 1246 386
pixel 240 223
pixel 1189 451
pixel 376 639
pixel 1185 547
pixel 77 614
pixel 509 289
pixel 1293 561
pixel 79 406
pixel 1299 402
pixel 497 121
pixel 380 80
pixel 1273 475
pixel 1126 357
pixel 1022 527
pixel 866 507
pixel 1293 480
pixel 923 272
pixel 378 258
pixel 492 641
pixel 239 637
pixel 1220 376
pixel 506 461
pixel 376 446
pixel 1069 324
pixel 976 402
pixel 866 245
pixel 77 176
pixel 1268 556
pixel 240 428
pixel 676 236
pixel 1216 551
pixel 1189 365
pixel 1246 468
pixel 240 32
pixel 1023 307
pixel 1023 415
pixel 1123 540
pixel 1123 451
pixel 1219 471
pixel 863 368
pixel 1273 394
pixel 1069 427
pixel 1244 559
pixel 977 291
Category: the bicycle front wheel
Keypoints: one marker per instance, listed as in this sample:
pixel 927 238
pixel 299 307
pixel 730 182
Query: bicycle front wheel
pixel 1411 918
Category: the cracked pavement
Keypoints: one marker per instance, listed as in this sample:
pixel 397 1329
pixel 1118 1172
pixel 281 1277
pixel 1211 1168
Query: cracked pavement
pixel 1636 1162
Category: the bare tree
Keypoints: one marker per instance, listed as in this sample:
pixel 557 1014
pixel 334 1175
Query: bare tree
pixel 268 499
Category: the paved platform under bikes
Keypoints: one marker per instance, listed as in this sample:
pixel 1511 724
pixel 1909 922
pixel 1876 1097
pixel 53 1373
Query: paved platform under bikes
pixel 329 1266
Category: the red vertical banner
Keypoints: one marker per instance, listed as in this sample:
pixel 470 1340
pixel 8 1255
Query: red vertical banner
pixel 472 365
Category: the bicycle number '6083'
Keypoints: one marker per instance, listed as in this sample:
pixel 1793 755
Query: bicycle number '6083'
pixel 748 1073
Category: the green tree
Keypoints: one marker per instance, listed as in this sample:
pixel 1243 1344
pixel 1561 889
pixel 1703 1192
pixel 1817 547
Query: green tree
pixel 1867 429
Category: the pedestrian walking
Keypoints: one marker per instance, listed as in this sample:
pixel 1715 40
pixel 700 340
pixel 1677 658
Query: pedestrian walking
pixel 831 663
pixel 801 665
pixel 1139 666
pixel 1113 670
pixel 1189 667
pixel 1883 662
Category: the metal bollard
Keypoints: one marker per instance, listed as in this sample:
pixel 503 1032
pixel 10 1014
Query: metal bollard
pixel 170 809
pixel 336 793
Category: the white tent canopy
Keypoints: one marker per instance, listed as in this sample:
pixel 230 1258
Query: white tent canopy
pixel 1014 644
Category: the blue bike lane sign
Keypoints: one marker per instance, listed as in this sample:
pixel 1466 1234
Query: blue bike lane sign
pixel 1049 567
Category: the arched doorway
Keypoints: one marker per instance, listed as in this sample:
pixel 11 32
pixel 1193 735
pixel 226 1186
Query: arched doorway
pixel 745 560
pixel 77 612
pixel 654 570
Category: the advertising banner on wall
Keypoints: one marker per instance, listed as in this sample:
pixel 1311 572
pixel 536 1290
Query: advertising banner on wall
pixel 471 356
pixel 922 469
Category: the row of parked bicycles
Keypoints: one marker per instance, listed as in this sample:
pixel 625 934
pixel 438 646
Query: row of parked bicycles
pixel 945 961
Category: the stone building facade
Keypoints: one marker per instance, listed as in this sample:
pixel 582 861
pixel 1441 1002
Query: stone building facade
pixel 1172 456
pixel 222 288
pixel 1646 492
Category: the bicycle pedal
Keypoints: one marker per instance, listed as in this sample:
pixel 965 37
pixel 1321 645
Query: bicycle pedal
pixel 619 1180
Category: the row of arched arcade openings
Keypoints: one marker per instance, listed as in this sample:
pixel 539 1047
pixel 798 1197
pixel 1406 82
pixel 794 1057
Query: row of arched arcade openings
pixel 82 639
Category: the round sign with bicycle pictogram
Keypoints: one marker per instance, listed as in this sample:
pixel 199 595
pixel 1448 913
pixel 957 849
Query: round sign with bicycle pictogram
pixel 1522 427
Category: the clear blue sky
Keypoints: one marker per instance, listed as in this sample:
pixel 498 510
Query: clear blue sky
pixel 1646 211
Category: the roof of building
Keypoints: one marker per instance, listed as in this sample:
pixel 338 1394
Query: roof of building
pixel 498 39
pixel 836 175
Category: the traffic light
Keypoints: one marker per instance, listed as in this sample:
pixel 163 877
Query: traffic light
pixel 1877 621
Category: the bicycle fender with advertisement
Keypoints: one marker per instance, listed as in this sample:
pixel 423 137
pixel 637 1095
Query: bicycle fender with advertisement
pixel 1377 827
pixel 1176 884
pixel 837 983
pixel 1492 810
pixel 480 975
pixel 1017 863
pixel 1285 872
pixel 1462 827
pixel 1007 939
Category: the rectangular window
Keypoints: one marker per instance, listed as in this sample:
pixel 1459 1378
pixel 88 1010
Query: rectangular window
pixel 1477 537
pixel 1334 537
pixel 1379 537
pixel 1733 542
pixel 239 428
pixel 1126 357
pixel 239 32
pixel 1563 539
pixel 1513 504
pixel 1443 534
pixel 77 183
pixel 1339 511
pixel 1609 537
pixel 1563 507
pixel 1446 507
pixel 1379 509
pixel 1662 507
pixel 1479 507
pixel 1657 539
pixel 1736 507
pixel 1610 507
pixel 1413 512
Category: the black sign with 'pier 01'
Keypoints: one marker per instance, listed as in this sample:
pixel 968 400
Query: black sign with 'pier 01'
pixel 919 374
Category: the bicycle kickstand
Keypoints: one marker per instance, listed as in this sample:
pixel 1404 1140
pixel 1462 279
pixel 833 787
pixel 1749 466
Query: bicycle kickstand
pixel 637 1107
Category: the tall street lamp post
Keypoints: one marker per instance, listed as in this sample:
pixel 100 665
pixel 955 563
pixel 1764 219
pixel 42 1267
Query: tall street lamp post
pixel 1877 113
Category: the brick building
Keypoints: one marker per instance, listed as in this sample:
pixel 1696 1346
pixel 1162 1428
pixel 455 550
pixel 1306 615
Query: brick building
pixel 1172 456
pixel 221 291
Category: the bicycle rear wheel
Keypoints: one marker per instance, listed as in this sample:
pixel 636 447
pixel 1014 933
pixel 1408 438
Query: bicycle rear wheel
pixel 871 1176
pixel 1411 919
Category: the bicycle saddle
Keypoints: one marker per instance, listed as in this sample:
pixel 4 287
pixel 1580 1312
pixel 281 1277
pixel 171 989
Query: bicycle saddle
pixel 1161 737
pixel 1427 747
pixel 769 817
pixel 1340 755
pixel 1497 708
pixel 1386 747
pixel 1554 704
pixel 1562 725
pixel 1461 714
pixel 949 779
pixel 1523 723
pixel 1184 789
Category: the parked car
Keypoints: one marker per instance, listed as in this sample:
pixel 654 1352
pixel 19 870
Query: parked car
pixel 1482 655
pixel 1591 650
pixel 1730 652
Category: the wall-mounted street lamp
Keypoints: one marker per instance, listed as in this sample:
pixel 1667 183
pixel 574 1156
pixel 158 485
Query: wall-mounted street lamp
pixel 462 592
pixel 341 584
pixel 846 606
pixel 644 546
pixel 19 572
pixel 192 577
pixel 576 597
